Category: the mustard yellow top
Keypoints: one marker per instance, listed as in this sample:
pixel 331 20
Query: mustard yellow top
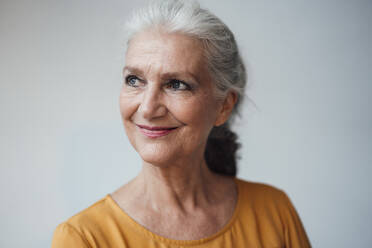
pixel 264 217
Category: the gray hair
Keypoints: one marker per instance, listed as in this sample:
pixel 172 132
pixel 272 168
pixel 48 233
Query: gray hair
pixel 187 17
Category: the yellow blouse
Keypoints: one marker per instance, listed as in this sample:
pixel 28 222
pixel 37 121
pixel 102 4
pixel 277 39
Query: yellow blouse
pixel 264 217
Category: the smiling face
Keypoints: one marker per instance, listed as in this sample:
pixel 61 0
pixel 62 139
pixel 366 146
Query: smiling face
pixel 167 103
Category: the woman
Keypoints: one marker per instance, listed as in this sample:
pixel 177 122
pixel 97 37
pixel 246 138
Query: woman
pixel 183 82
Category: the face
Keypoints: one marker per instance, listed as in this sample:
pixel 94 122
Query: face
pixel 167 103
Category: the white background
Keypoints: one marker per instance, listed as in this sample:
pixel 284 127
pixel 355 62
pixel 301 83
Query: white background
pixel 63 147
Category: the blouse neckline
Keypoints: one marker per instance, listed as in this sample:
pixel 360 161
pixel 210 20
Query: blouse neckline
pixel 163 239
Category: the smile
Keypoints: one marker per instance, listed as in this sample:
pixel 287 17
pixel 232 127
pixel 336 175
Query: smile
pixel 155 132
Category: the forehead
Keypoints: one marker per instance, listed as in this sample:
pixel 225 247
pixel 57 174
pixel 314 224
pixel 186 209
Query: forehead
pixel 157 51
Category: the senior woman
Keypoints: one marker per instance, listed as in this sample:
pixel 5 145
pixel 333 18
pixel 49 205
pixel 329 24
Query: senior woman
pixel 183 82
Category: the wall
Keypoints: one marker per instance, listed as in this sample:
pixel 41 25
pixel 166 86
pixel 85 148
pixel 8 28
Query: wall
pixel 307 130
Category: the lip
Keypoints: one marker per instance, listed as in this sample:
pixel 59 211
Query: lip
pixel 155 132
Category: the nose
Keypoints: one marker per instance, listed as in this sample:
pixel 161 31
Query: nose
pixel 152 105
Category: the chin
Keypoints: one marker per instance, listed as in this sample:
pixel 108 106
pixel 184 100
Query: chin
pixel 157 156
pixel 156 161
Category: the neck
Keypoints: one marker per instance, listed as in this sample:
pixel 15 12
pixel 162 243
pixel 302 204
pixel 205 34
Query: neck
pixel 184 186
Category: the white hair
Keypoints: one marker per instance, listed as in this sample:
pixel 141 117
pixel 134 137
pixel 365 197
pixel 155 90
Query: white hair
pixel 187 17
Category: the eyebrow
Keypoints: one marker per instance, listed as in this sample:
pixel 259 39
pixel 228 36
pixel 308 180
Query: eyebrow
pixel 166 75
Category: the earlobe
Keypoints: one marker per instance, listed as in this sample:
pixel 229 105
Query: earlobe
pixel 226 108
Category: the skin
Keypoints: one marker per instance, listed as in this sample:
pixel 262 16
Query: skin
pixel 168 84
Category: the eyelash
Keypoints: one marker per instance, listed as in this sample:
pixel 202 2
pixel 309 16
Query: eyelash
pixel 174 81
pixel 169 83
pixel 130 77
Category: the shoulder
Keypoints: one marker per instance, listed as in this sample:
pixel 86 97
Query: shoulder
pixel 260 191
pixel 264 198
pixel 65 235
pixel 271 207
pixel 87 226
pixel 89 219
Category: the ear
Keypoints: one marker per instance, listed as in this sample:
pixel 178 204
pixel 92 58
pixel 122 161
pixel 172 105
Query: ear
pixel 226 108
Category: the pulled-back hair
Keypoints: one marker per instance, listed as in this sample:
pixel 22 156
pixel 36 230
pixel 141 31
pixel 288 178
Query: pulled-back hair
pixel 224 63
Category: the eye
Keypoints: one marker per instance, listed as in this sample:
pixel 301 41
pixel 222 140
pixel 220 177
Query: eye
pixel 132 81
pixel 175 85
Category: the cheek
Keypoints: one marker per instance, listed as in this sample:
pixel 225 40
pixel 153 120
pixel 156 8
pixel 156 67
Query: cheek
pixel 127 108
pixel 199 111
pixel 127 105
pixel 198 115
